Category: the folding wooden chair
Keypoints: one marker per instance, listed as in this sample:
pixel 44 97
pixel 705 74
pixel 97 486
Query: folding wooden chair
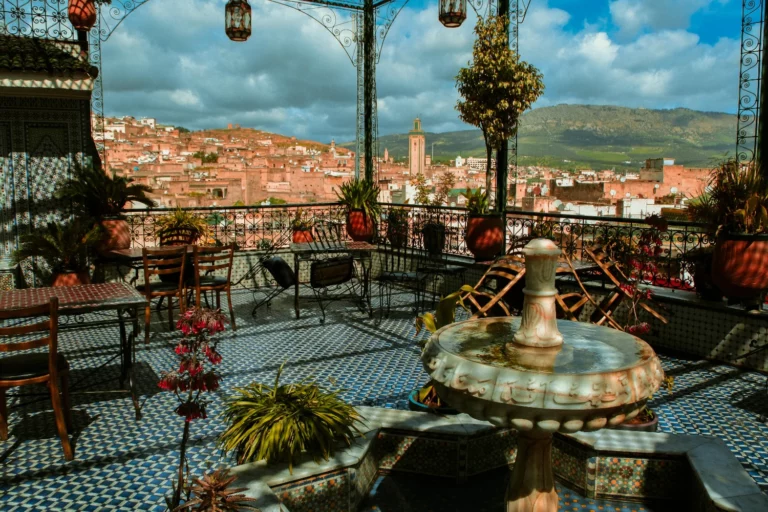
pixel 493 293
pixel 36 367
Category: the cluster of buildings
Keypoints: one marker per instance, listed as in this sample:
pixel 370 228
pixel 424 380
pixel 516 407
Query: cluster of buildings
pixel 244 166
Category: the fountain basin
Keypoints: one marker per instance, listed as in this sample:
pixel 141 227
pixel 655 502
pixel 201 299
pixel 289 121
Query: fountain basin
pixel 598 377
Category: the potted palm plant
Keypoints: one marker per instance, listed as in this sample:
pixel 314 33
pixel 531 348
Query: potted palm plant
pixel 737 210
pixel 96 195
pixel 397 227
pixel 361 199
pixel 485 230
pixel 65 248
pixel 302 228
pixel 285 422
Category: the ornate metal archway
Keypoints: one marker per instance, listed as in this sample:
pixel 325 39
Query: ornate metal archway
pixel 750 131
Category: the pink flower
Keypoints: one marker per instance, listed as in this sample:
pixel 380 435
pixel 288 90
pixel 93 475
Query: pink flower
pixel 213 356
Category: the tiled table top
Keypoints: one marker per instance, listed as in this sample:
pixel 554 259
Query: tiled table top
pixel 75 299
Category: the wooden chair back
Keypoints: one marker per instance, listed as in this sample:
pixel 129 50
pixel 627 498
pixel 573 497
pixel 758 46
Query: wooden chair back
pixel 50 325
pixel 163 261
pixel 211 259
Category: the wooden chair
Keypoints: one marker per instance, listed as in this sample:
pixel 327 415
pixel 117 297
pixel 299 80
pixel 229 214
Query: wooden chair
pixel 164 261
pixel 36 368
pixel 496 285
pixel 208 260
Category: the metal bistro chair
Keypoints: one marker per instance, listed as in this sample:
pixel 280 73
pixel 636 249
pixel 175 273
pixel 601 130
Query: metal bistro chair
pixel 166 261
pixel 208 260
pixel 399 269
pixel 330 273
pixel 436 265
pixel 36 367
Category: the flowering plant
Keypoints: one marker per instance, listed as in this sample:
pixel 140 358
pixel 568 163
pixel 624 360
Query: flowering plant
pixel 191 379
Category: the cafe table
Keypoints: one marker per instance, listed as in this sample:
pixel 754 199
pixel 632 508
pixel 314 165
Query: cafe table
pixel 76 301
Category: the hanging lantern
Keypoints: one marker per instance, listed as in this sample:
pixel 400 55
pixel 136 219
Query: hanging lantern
pixel 452 12
pixel 82 14
pixel 237 20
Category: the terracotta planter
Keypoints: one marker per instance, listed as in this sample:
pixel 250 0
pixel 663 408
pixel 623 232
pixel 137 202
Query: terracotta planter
pixel 434 238
pixel 117 235
pixel 82 14
pixel 740 265
pixel 359 226
pixel 302 236
pixel 485 235
pixel 640 426
pixel 70 278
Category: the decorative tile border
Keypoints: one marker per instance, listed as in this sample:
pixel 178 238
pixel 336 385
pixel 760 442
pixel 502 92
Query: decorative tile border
pixel 606 465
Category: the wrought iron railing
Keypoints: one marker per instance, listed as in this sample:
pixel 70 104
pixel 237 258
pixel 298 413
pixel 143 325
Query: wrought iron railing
pixel 248 227
pixel 667 255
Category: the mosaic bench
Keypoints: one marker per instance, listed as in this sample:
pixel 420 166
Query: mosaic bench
pixel 695 472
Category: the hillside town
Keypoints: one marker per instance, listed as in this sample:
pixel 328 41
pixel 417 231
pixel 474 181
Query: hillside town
pixel 243 166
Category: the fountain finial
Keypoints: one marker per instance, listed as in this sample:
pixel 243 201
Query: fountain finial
pixel 538 327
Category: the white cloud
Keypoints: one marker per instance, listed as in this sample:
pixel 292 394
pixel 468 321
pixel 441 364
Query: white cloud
pixel 172 60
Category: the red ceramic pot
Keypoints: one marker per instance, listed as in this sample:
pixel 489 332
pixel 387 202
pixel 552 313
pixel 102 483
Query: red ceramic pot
pixel 302 236
pixel 740 265
pixel 117 235
pixel 359 226
pixel 485 235
pixel 82 14
pixel 70 278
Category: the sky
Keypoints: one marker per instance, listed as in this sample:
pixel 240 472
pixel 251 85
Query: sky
pixel 170 59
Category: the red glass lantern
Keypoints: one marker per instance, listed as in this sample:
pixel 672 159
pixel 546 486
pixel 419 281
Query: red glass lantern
pixel 452 12
pixel 82 14
pixel 237 20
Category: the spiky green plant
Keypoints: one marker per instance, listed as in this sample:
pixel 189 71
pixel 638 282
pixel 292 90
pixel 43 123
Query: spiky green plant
pixel 736 199
pixel 477 201
pixel 360 194
pixel 277 423
pixel 212 494
pixel 64 247
pixel 97 195
pixel 181 220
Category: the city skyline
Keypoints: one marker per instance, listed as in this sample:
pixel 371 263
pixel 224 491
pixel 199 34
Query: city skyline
pixel 292 76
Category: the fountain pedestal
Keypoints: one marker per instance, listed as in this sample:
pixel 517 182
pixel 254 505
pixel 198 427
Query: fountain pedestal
pixel 540 375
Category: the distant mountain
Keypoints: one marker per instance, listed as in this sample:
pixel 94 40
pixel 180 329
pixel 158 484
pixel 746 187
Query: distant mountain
pixel 597 137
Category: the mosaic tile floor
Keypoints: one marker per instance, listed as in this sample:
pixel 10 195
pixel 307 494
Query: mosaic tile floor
pixel 122 464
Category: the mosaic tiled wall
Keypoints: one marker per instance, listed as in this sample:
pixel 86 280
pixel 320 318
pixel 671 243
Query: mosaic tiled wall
pixel 40 139
pixel 640 478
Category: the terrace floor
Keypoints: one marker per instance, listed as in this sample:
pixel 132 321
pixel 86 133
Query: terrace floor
pixel 121 464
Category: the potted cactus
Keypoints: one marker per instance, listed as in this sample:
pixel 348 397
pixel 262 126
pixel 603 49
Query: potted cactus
pixel 485 230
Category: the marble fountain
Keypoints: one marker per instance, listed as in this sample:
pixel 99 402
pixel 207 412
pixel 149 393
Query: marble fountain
pixel 540 375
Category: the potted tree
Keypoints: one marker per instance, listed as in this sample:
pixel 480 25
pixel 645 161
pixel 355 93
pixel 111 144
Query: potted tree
pixel 433 230
pixel 301 227
pixel 495 89
pixel 485 231
pixel 397 227
pixel 100 197
pixel 361 199
pixel 65 248
pixel 737 210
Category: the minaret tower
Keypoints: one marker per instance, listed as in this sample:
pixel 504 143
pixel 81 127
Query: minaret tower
pixel 416 149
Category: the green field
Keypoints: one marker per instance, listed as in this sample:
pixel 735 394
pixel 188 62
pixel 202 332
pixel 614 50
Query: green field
pixel 596 137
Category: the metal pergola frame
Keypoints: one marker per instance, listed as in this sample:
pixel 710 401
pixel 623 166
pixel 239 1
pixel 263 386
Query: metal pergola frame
pixel 343 19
